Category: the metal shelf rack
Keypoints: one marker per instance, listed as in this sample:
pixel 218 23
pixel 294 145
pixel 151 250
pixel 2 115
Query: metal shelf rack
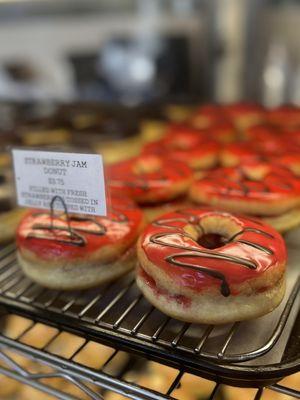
pixel 117 315
pixel 81 376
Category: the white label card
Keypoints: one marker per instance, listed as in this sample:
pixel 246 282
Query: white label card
pixel 77 178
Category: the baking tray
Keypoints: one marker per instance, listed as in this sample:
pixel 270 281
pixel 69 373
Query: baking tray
pixel 252 354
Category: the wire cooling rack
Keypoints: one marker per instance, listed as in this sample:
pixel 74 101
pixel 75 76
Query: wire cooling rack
pixel 94 383
pixel 118 314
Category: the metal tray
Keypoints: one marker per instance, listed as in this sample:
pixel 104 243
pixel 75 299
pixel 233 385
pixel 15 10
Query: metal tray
pixel 117 314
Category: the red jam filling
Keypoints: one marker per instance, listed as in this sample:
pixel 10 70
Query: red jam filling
pixel 149 281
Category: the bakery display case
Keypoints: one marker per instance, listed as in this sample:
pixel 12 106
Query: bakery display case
pixel 109 342
pixel 149 200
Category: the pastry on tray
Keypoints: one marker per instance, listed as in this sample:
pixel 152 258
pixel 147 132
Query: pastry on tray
pixel 77 251
pixel 207 266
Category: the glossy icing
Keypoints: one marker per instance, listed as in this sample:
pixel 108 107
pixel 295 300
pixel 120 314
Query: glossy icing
pixel 206 116
pixel 222 131
pixel 184 144
pixel 248 253
pixel 272 182
pixel 261 132
pixel 78 236
pixel 148 174
pixel 243 109
pixel 284 116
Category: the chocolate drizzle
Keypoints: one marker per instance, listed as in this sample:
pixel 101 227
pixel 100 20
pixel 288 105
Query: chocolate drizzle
pixel 196 252
pixel 146 181
pixel 254 230
pixel 257 246
pixel 242 182
pixel 156 239
pixel 74 237
pixel 224 288
pixel 73 234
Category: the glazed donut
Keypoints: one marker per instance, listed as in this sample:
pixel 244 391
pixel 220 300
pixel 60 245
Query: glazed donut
pixel 9 221
pixel 261 142
pixel 292 135
pixel 223 132
pixel 253 151
pixel 188 145
pixel 206 116
pixel 285 117
pixel 244 115
pixel 78 251
pixel 284 222
pixel 290 161
pixel 207 266
pixel 235 154
pixel 178 113
pixel 150 179
pixel 255 188
pixel 261 133
pixel 153 211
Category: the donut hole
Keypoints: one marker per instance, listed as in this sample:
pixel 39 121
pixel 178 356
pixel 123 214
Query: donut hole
pixel 214 230
pixel 147 165
pixel 212 240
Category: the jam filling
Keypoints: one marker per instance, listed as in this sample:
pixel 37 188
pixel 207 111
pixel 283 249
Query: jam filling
pixel 178 298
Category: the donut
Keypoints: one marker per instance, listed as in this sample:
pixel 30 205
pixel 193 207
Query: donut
pixel 260 143
pixel 290 161
pixel 236 153
pixel 177 112
pixel 286 116
pixel 261 133
pixel 109 150
pixel 9 221
pixel 223 132
pixel 150 179
pixel 213 267
pixel 284 222
pixel 152 130
pixel 188 145
pixel 255 188
pixel 205 116
pixel 292 135
pixel 153 211
pixel 259 151
pixel 77 251
pixel 244 115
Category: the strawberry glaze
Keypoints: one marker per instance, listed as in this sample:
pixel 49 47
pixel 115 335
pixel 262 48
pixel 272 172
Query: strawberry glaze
pixel 236 110
pixel 285 116
pixel 52 239
pixel 247 254
pixel 276 183
pixel 135 181
pixel 184 144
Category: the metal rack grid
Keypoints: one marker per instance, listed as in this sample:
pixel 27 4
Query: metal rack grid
pixel 118 314
pixel 81 376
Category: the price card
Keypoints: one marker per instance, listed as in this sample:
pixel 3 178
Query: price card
pixel 77 178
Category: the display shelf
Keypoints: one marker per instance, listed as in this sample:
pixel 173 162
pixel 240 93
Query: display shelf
pixel 117 314
pixel 44 363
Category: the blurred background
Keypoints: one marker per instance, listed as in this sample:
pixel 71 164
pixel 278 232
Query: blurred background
pixel 133 51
